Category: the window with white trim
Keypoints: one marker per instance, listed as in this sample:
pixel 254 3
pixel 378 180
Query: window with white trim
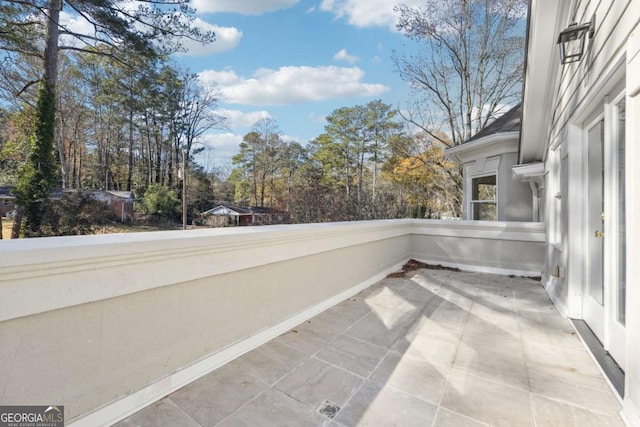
pixel 484 206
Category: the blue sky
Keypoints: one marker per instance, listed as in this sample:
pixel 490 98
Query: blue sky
pixel 295 61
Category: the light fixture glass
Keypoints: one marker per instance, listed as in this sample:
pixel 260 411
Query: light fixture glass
pixel 572 40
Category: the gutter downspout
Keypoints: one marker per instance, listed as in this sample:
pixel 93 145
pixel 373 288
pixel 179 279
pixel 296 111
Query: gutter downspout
pixel 535 193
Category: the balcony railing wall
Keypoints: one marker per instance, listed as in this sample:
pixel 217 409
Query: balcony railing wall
pixel 107 324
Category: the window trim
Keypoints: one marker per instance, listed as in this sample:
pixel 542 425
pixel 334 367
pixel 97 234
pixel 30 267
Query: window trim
pixel 472 202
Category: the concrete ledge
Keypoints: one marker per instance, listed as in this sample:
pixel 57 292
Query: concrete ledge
pixel 493 230
pixel 39 275
pixel 481 246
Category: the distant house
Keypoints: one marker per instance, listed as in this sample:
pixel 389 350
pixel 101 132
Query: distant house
pixel 240 215
pixel 121 202
pixel 7 200
pixel 493 190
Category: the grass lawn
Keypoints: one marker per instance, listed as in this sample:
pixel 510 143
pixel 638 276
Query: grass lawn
pixel 132 228
pixel 109 229
pixel 6 228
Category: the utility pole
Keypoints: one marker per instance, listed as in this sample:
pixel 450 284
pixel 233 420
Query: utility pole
pixel 184 189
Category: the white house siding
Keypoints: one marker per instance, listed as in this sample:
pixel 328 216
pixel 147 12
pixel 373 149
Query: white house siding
pixel 516 193
pixel 579 97
pixel 495 154
pixel 632 402
pixel 610 66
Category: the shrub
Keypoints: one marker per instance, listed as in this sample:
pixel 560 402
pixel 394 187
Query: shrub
pixel 160 201
pixel 75 213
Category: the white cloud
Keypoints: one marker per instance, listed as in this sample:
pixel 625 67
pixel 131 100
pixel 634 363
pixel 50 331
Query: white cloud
pixel 367 13
pixel 242 120
pixel 498 111
pixel 376 59
pixel 76 24
pixel 290 138
pixel 221 147
pixel 222 78
pixel 245 7
pixel 224 146
pixel 227 38
pixel 292 85
pixel 343 55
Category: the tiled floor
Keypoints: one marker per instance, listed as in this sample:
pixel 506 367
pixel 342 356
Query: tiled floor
pixel 435 348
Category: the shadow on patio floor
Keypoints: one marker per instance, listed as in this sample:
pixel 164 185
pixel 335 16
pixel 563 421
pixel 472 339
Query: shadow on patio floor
pixel 426 348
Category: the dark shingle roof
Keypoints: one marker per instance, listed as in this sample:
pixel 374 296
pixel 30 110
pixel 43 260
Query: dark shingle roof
pixel 508 122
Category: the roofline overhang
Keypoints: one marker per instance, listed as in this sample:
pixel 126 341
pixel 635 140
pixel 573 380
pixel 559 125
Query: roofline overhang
pixel 529 172
pixel 491 145
pixel 540 76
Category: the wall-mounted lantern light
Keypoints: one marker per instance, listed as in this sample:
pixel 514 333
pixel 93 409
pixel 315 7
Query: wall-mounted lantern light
pixel 572 40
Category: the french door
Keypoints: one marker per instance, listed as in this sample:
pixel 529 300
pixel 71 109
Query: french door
pixel 604 293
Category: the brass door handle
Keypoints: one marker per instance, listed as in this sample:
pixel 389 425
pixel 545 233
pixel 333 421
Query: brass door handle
pixel 599 234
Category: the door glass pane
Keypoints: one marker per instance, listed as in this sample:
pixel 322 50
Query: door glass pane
pixel 596 208
pixel 622 245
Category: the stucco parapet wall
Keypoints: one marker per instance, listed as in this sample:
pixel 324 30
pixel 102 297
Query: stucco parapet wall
pixel 496 230
pixel 57 272
pixel 39 275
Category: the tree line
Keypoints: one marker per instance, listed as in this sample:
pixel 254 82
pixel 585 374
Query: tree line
pixel 108 109
pixel 110 92
pixel 365 165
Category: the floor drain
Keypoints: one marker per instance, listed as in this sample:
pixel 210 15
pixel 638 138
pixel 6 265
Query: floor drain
pixel 328 409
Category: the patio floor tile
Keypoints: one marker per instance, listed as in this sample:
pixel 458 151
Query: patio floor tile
pixel 216 395
pixel 384 326
pixel 435 348
pixel 447 418
pixel 550 413
pixel 315 381
pixel 271 362
pixel 355 356
pixel 487 401
pixel 508 368
pixel 376 405
pixel 164 413
pixel 274 408
pixel 414 376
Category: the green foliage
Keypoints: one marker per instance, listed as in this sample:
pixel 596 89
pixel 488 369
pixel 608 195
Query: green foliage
pixel 429 182
pixel 262 159
pixel 151 29
pixel 200 195
pixel 160 201
pixel 14 144
pixel 74 214
pixel 38 175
